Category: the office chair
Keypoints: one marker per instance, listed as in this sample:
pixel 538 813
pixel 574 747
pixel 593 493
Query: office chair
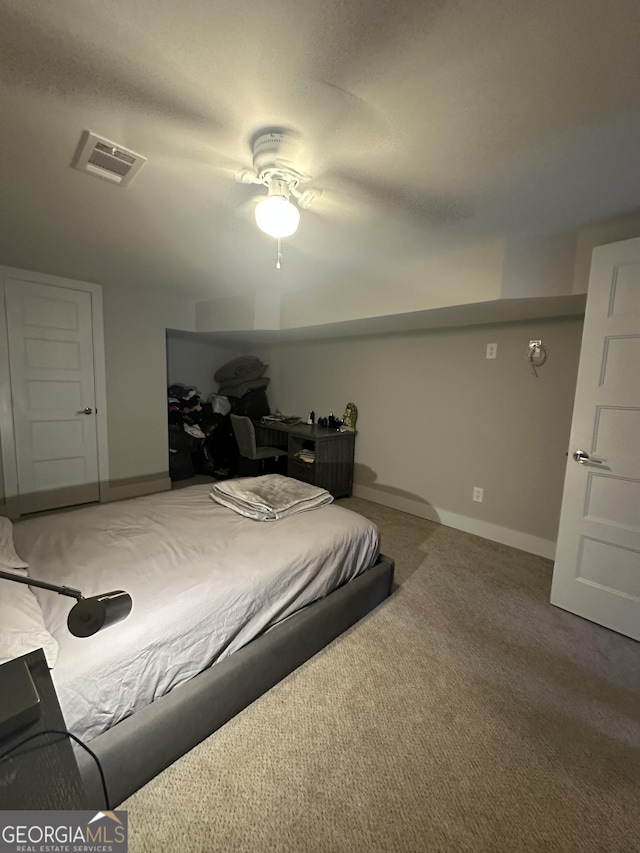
pixel 245 434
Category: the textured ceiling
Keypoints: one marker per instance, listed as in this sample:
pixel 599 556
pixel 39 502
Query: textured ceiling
pixel 428 124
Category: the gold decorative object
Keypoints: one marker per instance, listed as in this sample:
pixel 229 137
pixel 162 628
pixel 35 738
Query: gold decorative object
pixel 350 417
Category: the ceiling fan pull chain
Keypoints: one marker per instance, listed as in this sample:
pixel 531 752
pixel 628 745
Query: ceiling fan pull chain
pixel 279 256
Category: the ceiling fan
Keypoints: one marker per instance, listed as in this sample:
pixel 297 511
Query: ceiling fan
pixel 276 165
pixel 279 157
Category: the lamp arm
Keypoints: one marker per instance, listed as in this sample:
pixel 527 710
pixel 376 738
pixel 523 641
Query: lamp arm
pixel 63 590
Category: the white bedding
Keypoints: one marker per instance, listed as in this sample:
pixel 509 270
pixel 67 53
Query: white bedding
pixel 204 582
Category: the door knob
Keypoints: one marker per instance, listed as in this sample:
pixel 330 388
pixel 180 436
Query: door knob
pixel 581 457
pixel 86 411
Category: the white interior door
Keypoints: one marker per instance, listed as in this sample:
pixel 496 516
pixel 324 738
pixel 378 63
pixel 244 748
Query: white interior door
pixel 597 568
pixel 50 340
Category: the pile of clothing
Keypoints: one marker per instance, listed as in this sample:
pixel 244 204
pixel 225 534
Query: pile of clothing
pixel 243 382
pixel 186 409
pixel 200 437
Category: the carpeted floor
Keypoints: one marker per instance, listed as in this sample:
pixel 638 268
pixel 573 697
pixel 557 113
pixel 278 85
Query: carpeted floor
pixel 464 714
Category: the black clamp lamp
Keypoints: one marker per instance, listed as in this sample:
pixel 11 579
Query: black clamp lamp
pixel 89 615
pixel 19 699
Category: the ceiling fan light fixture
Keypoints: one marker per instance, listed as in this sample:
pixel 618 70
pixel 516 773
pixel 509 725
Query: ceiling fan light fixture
pixel 277 217
pixel 275 214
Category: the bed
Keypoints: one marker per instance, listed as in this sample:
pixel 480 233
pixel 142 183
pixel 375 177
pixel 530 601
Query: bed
pixel 224 607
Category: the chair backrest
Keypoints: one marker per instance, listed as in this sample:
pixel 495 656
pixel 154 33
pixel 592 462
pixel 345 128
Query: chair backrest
pixel 245 435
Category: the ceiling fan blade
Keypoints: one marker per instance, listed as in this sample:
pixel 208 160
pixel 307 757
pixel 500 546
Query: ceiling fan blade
pixel 242 213
pixel 336 204
pixel 246 176
pixel 185 150
pixel 333 126
pixel 438 209
pixel 308 198
pixel 248 206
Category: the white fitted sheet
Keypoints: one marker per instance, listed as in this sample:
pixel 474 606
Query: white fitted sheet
pixel 204 582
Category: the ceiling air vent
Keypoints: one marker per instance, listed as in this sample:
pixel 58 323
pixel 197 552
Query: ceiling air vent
pixel 106 159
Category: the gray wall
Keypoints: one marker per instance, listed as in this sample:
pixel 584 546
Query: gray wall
pixel 135 324
pixel 2 500
pixel 437 418
pixel 193 361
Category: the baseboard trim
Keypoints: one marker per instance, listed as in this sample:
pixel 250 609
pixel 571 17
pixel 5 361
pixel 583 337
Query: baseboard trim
pixel 121 490
pixel 494 532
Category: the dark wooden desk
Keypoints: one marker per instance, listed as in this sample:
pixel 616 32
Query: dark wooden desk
pixel 332 468
pixel 42 774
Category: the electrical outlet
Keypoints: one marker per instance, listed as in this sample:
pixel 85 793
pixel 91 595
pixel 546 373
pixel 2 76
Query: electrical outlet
pixel 492 350
pixel 478 494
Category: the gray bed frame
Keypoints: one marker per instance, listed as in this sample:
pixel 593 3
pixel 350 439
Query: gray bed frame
pixel 141 746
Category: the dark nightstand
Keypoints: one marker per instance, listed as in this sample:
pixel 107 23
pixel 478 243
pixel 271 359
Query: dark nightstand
pixel 42 774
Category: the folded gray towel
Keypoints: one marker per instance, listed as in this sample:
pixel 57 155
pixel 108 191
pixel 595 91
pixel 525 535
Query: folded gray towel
pixel 270 497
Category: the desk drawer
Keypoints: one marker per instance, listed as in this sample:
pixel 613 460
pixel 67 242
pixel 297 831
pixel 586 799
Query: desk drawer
pixel 305 471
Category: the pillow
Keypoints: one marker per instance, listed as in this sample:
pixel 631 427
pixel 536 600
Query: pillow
pixel 22 627
pixel 8 557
